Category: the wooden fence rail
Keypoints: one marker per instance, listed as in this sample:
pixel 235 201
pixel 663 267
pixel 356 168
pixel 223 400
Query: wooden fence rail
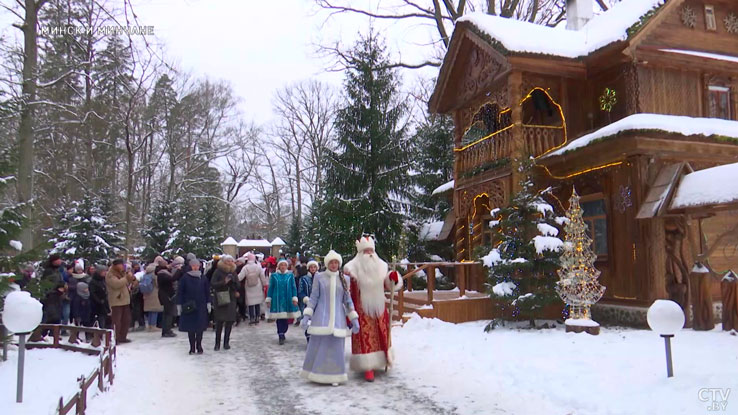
pixel 96 341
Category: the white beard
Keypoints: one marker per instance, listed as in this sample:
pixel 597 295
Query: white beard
pixel 370 272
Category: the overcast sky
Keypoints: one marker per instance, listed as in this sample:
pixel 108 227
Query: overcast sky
pixel 260 46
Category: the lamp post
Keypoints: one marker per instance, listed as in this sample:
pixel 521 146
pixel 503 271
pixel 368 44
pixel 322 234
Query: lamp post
pixel 666 317
pixel 21 315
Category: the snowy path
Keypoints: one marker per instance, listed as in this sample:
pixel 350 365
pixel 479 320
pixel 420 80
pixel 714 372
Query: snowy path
pixel 157 376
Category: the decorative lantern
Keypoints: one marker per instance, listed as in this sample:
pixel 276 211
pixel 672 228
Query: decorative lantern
pixel 666 317
pixel 21 315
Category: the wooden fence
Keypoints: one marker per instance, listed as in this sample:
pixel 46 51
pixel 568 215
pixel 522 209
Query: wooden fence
pixel 96 342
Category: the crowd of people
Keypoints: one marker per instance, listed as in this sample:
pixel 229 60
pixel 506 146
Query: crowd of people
pixel 194 294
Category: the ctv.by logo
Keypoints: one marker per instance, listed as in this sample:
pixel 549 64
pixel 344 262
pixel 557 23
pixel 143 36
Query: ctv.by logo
pixel 717 397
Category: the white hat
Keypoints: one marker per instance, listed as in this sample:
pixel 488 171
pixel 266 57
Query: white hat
pixel 330 256
pixel 313 262
pixel 364 242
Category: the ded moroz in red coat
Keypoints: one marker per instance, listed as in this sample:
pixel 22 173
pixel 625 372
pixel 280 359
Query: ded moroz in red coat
pixel 371 348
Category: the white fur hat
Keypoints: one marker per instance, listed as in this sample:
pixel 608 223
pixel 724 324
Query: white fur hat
pixel 364 242
pixel 330 256
pixel 313 262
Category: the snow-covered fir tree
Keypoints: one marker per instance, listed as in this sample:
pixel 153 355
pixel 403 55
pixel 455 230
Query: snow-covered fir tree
pixel 84 229
pixel 11 221
pixel 367 186
pixel 161 231
pixel 295 240
pixel 525 252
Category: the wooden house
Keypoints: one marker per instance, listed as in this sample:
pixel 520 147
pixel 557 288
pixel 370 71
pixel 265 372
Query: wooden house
pixel 621 105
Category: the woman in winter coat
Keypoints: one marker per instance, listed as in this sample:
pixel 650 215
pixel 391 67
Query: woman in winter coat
pixel 81 304
pixel 225 295
pixel 100 308
pixel 305 287
pixel 152 305
pixel 282 298
pixel 255 280
pixel 325 320
pixel 193 303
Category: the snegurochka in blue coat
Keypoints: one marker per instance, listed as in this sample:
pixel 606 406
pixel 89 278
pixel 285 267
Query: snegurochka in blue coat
pixel 282 298
pixel 193 302
pixel 329 307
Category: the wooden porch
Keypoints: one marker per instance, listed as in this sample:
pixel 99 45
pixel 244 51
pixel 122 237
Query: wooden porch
pixel 467 302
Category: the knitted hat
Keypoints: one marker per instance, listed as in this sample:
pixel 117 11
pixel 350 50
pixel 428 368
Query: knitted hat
pixel 313 262
pixel 330 256
pixel 283 260
pixel 178 260
pixel 191 256
pixel 226 258
pixel 364 242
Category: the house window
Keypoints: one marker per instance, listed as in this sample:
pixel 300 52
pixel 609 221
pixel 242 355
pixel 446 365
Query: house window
pixel 595 216
pixel 718 102
pixel 710 23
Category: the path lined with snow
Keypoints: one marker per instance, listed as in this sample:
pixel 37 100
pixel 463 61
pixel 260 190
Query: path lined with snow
pixel 257 376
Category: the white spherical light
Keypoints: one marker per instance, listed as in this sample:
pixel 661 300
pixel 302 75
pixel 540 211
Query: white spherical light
pixel 22 313
pixel 665 317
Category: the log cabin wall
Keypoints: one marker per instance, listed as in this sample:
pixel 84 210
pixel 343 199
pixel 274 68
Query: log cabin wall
pixel 670 91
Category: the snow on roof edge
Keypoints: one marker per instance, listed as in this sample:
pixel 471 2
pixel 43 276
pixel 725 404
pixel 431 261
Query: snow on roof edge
pixel 443 188
pixel 229 241
pixel 715 185
pixel 604 29
pixel 645 121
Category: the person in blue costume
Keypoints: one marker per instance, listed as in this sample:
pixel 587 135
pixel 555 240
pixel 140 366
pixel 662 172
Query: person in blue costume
pixel 281 298
pixel 305 287
pixel 328 309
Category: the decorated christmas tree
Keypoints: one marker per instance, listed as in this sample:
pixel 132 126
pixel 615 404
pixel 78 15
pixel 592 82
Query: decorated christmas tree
pixel 525 252
pixel 578 286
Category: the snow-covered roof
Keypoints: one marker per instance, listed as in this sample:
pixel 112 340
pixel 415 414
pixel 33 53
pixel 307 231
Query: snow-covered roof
pixel 443 188
pixel 659 122
pixel 524 37
pixel 278 241
pixel 699 54
pixel 229 241
pixel 711 186
pixel 431 231
pixel 254 243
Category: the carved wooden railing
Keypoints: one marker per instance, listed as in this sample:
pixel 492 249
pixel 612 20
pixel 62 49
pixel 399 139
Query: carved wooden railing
pixel 461 275
pixel 494 147
pixel 539 139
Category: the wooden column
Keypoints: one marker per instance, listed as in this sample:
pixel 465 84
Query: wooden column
pixel 461 279
pixel 515 85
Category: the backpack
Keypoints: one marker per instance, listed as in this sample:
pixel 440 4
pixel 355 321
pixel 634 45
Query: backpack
pixel 252 276
pixel 147 284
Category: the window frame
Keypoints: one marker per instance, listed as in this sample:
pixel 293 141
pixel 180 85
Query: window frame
pixel 719 89
pixel 591 223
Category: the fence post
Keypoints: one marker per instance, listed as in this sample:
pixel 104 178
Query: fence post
pixel 82 397
pixel 461 279
pixel 431 277
pixel 401 303
pixel 56 333
pixel 101 373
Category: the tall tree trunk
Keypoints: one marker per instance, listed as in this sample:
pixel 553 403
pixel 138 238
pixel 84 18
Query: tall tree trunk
pixel 298 176
pixel 25 129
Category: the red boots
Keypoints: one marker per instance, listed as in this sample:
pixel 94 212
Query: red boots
pixel 369 375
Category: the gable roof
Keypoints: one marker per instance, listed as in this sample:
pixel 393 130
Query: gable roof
pixel 708 187
pixel 523 37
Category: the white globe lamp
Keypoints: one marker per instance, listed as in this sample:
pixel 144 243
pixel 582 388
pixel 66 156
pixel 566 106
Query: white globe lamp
pixel 21 315
pixel 666 317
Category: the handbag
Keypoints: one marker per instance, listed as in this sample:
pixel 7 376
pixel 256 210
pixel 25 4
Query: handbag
pixel 222 298
pixel 189 307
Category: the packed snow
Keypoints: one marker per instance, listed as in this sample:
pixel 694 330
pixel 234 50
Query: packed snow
pixel 709 186
pixel 547 230
pixel 229 241
pixel 49 374
pixel 254 243
pixel 583 322
pixel 602 30
pixel 668 123
pixel 492 258
pixel 443 188
pixel 543 208
pixel 700 269
pixel 278 241
pixel 17 245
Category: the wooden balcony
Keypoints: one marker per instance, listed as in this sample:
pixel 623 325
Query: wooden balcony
pixel 540 139
pixel 476 155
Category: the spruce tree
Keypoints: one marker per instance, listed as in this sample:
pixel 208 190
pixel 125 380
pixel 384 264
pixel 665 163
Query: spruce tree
pixel 367 183
pixel 161 230
pixel 295 241
pixel 11 221
pixel 434 163
pixel 525 253
pixel 84 230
